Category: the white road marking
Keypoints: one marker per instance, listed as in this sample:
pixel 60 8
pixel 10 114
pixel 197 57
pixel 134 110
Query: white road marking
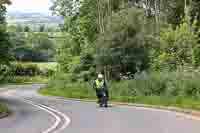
pixel 67 119
pixel 53 113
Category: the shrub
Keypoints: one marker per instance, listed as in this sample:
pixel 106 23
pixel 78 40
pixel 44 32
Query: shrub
pixel 46 72
pixel 26 69
pixel 5 70
pixel 32 69
pixel 179 83
pixel 3 108
pixel 178 46
pixel 85 75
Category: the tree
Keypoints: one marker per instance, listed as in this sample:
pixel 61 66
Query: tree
pixel 66 7
pixel 128 34
pixel 178 47
pixel 11 28
pixel 4 38
pixel 123 44
pixel 26 28
pixel 80 21
pixel 42 28
pixel 19 28
pixel 4 41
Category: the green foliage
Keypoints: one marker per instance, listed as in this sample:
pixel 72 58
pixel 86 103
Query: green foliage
pixel 5 70
pixel 26 29
pixel 116 37
pixel 4 38
pixel 32 46
pixel 21 69
pixel 172 11
pixel 180 88
pixel 32 69
pixel 179 83
pixel 123 43
pixel 5 45
pixel 62 85
pixel 19 28
pixel 42 28
pixel 3 108
pixel 177 47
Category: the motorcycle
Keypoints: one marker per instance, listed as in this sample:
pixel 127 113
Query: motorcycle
pixel 103 101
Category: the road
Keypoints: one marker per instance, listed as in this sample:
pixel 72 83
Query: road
pixel 33 113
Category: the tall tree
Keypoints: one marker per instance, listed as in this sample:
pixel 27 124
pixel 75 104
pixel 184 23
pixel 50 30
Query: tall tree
pixel 4 38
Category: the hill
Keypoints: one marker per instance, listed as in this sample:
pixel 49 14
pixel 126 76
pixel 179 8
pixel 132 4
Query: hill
pixel 16 17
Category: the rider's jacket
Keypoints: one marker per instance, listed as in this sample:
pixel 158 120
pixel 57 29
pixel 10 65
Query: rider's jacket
pixel 99 84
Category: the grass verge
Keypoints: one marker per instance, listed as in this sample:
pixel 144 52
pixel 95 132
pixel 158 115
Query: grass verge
pixel 3 109
pixel 177 89
pixel 25 80
pixel 82 91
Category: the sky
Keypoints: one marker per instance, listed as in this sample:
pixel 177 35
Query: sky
pixel 41 6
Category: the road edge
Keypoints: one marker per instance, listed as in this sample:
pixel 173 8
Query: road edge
pixel 195 115
pixel 3 115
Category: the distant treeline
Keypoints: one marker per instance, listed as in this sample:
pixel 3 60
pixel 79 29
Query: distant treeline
pixel 34 28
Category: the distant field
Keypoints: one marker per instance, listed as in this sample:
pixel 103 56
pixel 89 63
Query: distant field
pixel 48 65
pixel 45 65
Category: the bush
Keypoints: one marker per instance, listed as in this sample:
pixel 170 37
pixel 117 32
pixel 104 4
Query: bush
pixel 61 84
pixel 177 47
pixel 179 88
pixel 179 83
pixel 22 69
pixel 5 70
pixel 46 72
pixel 3 108
pixel 85 75
pixel 182 82
pixel 76 68
pixel 31 69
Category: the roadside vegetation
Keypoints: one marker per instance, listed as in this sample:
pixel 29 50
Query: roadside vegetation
pixel 147 50
pixel 3 109
pixel 180 89
pixel 28 72
pixel 4 44
pixel 27 54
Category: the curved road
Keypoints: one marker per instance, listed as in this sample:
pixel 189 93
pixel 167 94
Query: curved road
pixel 33 113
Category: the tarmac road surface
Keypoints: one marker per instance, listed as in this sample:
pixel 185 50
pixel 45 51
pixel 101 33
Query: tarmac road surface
pixel 33 113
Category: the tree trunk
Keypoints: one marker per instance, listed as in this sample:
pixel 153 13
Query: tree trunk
pixel 156 3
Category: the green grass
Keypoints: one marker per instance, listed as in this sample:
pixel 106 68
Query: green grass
pixel 25 80
pixel 48 65
pixel 43 65
pixel 178 88
pixel 3 108
pixel 70 91
pixel 182 102
pixel 82 91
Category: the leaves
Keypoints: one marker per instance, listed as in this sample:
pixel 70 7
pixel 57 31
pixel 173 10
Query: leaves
pixel 4 38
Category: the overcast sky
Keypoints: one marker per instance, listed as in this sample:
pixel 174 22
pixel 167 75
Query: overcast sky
pixel 30 6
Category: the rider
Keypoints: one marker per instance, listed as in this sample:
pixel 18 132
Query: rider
pixel 99 86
